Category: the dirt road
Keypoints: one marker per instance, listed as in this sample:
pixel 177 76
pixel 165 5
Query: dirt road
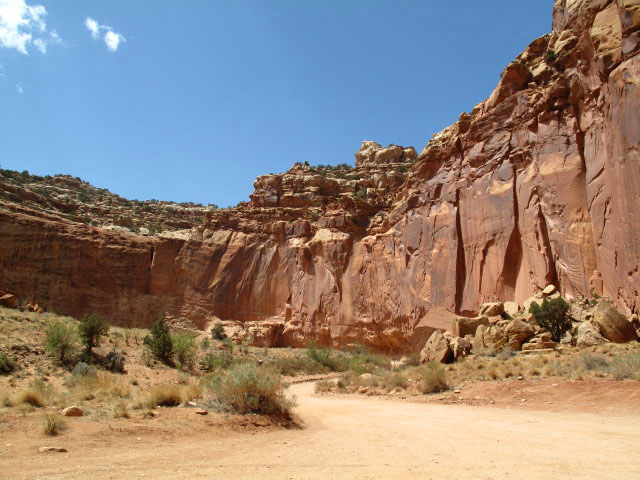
pixel 366 438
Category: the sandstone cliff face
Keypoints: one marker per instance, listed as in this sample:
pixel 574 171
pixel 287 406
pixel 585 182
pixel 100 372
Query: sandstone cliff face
pixel 538 185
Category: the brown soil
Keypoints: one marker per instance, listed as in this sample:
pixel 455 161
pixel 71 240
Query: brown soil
pixel 357 437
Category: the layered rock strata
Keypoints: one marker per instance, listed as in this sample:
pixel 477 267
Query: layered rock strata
pixel 537 185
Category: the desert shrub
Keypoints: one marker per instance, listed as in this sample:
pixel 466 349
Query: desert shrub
pixel 550 56
pixel 217 332
pixel 167 395
pixel 60 340
pixel 7 365
pixel 294 365
pixel 247 388
pixel 185 349
pixel 53 424
pixel 114 362
pixel 323 386
pixel 91 329
pixel 159 342
pixel 626 366
pixel 552 315
pixel 228 344
pixel 31 397
pixel 101 385
pixel 212 361
pixel 362 361
pixel 327 357
pixel 433 378
pixel 84 369
pixel 394 380
pixel 593 361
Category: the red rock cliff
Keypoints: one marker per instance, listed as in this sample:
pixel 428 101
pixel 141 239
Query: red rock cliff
pixel 538 184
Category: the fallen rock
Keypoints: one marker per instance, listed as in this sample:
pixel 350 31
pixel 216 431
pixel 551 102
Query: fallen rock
pixel 467 326
pixel 549 290
pixel 527 347
pixel 612 324
pixel 489 339
pixel 491 309
pixel 8 300
pixel 518 332
pixel 53 449
pixel 436 349
pixel 511 308
pixel 461 347
pixel 201 412
pixel 73 412
pixel 587 335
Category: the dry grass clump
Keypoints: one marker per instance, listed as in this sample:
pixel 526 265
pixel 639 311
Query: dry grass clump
pixel 38 394
pixel 394 380
pixel 248 388
pixel 433 378
pixel 53 424
pixel 101 386
pixel 626 366
pixel 323 386
pixel 164 395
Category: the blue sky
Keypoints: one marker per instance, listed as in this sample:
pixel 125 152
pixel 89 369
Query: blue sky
pixel 199 97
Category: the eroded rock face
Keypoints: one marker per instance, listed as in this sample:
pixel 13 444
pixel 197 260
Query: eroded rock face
pixel 534 187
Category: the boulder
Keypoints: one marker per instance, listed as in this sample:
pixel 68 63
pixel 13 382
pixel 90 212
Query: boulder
pixel 549 290
pixel 586 335
pixel 73 412
pixel 489 339
pixel 531 346
pixel 612 324
pixel 518 332
pixel 461 347
pixel 436 349
pixel 492 309
pixel 8 300
pixel 536 298
pixel 435 319
pixel 467 326
pixel 511 308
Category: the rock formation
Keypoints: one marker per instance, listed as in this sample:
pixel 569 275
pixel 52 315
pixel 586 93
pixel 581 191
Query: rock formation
pixel 536 185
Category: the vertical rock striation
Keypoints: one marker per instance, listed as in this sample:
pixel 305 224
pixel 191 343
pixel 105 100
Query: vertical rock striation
pixel 537 185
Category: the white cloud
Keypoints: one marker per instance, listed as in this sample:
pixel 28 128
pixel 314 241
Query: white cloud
pixel 19 89
pixel 111 39
pixel 93 27
pixel 23 25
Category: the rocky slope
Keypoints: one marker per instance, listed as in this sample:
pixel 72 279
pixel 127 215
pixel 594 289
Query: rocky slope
pixel 536 185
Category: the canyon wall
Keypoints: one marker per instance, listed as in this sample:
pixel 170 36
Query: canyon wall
pixel 538 185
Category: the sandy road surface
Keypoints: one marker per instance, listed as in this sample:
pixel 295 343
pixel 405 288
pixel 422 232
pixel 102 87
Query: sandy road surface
pixel 367 438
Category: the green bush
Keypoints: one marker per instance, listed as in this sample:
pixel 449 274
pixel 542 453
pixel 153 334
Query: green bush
pixel 7 365
pixel 217 332
pixel 91 329
pixel 552 315
pixel 159 342
pixel 247 388
pixel 212 361
pixel 114 362
pixel 327 357
pixel 294 365
pixel 60 339
pixel 185 349
pixel 550 56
